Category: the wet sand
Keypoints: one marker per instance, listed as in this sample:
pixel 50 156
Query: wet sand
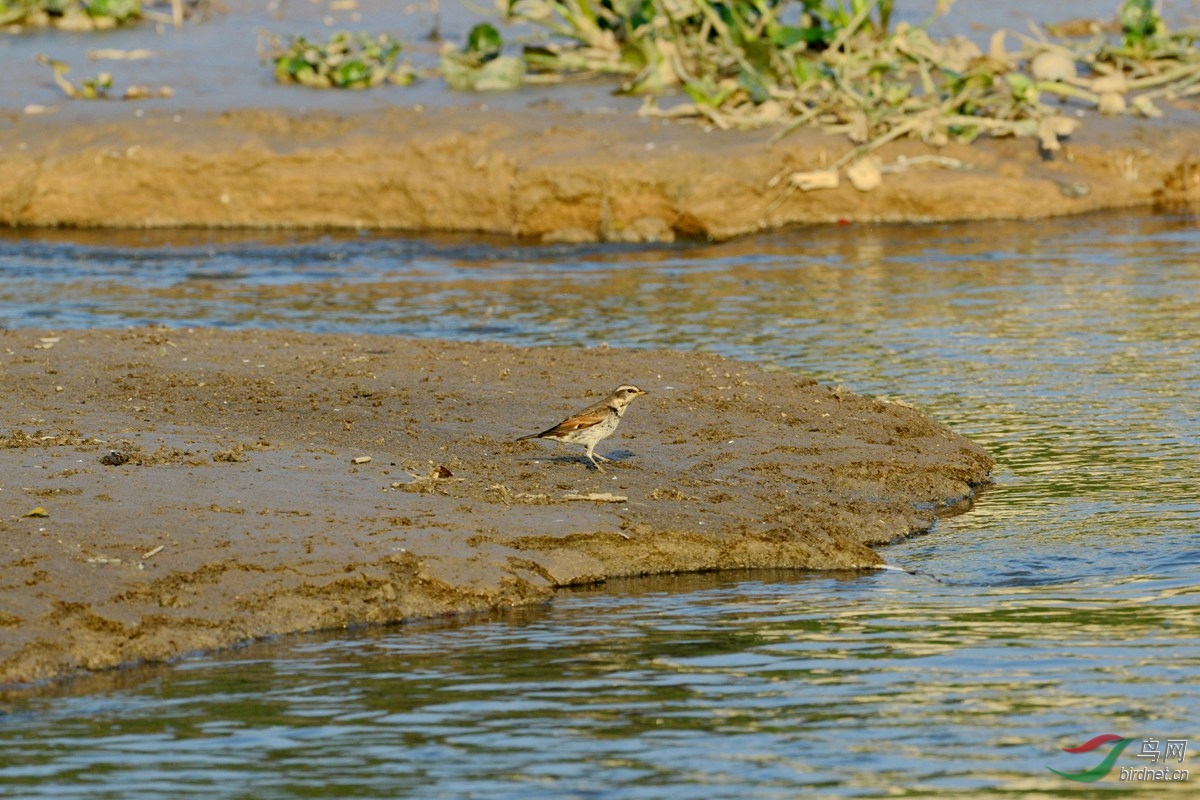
pixel 547 174
pixel 245 507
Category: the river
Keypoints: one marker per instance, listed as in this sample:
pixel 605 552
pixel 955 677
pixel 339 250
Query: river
pixel 1060 607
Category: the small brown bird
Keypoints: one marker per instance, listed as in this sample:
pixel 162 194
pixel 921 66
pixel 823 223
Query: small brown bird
pixel 593 424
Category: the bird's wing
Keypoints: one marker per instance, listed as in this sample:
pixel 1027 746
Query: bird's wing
pixel 590 416
pixel 578 422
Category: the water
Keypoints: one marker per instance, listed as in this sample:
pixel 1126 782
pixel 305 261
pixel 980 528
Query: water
pixel 230 44
pixel 1063 605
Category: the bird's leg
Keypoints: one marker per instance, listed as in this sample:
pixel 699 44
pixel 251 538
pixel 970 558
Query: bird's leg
pixel 591 457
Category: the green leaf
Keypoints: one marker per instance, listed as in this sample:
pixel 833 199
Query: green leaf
pixel 1023 88
pixel 120 10
pixel 753 83
pixel 484 41
pixel 461 72
pixel 500 74
pixel 706 93
pixel 897 93
pixel 804 72
pixel 640 15
pixel 786 36
pixel 457 71
pixel 351 73
pixel 1138 21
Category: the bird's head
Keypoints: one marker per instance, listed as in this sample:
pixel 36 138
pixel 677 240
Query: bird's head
pixel 625 393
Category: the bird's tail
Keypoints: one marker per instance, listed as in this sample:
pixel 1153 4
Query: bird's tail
pixel 530 436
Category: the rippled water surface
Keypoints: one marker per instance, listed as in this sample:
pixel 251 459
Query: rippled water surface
pixel 1061 607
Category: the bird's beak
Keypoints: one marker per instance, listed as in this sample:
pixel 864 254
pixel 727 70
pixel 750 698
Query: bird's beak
pixel 642 392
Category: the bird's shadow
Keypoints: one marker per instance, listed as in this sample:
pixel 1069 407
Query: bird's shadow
pixel 615 457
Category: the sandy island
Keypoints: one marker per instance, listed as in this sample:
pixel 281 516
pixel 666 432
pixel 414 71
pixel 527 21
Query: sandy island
pixel 550 174
pixel 241 502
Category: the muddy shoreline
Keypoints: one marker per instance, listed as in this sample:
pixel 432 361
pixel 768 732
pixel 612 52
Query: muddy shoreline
pixel 230 148
pixel 244 503
pixel 553 175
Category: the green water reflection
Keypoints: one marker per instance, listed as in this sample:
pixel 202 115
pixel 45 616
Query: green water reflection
pixel 735 686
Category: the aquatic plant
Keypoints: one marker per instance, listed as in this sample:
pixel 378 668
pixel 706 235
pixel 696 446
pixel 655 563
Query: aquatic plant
pixel 345 61
pixel 87 15
pixel 88 89
pixel 478 65
pixel 839 65
pixel 1150 63
pixel 98 87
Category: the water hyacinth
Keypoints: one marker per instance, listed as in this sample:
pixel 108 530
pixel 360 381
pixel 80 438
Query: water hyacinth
pixel 842 67
pixel 70 14
pixel 345 61
pixel 89 15
pixel 478 65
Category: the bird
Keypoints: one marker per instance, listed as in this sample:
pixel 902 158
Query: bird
pixel 594 423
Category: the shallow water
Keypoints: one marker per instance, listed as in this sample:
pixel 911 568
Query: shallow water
pixel 218 63
pixel 1062 606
